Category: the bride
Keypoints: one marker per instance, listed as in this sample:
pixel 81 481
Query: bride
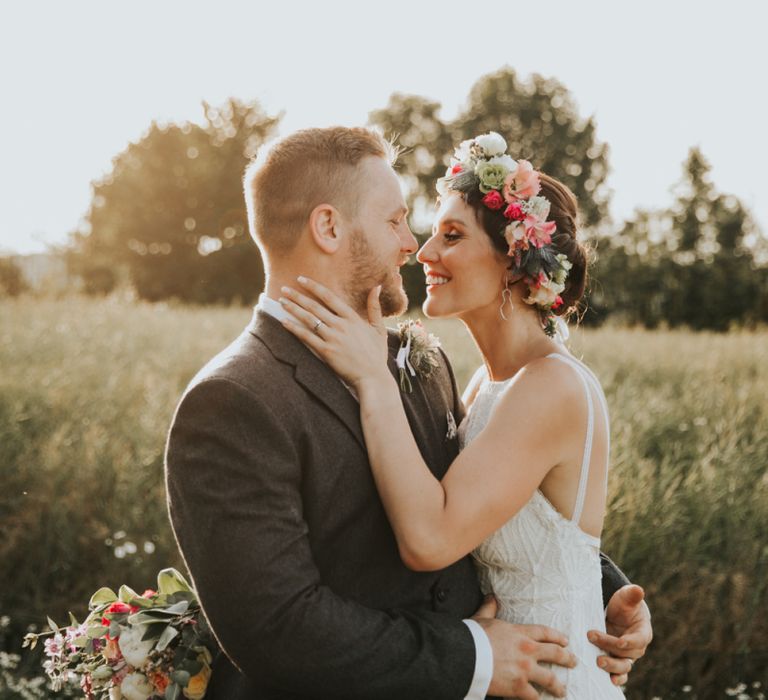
pixel 527 493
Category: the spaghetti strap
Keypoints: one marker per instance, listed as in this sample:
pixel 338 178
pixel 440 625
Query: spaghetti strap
pixel 584 474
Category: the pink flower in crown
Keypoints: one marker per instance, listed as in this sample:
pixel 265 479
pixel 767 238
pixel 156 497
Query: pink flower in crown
pixel 522 184
pixel 514 212
pixel 493 200
pixel 539 233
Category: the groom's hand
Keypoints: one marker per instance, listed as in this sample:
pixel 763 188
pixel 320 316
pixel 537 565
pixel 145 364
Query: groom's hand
pixel 519 651
pixel 629 632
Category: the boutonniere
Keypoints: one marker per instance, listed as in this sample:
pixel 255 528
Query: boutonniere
pixel 417 354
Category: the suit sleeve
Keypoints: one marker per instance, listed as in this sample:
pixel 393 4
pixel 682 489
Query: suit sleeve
pixel 233 476
pixel 613 578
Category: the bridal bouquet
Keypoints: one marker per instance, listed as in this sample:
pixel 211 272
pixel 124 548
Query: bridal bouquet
pixel 131 646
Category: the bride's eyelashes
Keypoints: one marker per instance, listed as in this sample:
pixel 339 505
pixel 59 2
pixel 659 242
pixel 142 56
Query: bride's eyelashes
pixel 452 236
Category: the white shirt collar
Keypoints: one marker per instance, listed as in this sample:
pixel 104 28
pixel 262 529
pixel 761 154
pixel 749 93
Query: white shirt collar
pixel 272 308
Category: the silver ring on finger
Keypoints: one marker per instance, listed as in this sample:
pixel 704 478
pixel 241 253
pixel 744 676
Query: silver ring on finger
pixel 316 327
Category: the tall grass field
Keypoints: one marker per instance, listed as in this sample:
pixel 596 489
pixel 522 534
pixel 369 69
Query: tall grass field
pixel 87 390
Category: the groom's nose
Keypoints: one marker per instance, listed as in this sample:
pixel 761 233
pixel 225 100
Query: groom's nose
pixel 408 242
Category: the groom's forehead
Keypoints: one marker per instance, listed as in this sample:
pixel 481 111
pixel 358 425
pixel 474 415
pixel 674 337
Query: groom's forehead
pixel 383 185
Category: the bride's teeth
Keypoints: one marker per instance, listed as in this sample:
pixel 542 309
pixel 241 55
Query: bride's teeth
pixel 434 279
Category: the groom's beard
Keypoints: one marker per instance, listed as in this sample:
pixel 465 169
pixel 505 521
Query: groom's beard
pixel 365 273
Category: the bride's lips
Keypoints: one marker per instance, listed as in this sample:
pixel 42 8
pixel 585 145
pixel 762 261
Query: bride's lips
pixel 435 279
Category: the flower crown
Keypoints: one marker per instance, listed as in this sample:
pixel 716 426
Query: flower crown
pixel 514 186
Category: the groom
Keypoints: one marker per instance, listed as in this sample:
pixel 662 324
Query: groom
pixel 270 492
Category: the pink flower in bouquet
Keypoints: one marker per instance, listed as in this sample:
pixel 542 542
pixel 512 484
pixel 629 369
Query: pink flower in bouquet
pixel 521 184
pixel 111 651
pixel 160 681
pixel 456 169
pixel 149 593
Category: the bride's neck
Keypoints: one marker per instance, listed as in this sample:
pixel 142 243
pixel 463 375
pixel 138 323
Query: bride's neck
pixel 508 345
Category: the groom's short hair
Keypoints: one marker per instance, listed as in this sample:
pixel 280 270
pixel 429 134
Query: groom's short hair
pixel 306 168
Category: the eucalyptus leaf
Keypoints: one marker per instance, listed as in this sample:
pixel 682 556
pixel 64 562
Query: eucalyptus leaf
pixel 181 677
pixel 173 692
pixel 168 635
pixel 103 595
pixel 114 629
pixel 73 620
pixel 152 632
pixel 170 581
pixel 126 594
pixel 96 631
pixel 146 618
pixel 102 673
pixel 191 666
pixel 53 626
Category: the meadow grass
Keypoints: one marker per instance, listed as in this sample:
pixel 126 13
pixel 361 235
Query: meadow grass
pixel 87 390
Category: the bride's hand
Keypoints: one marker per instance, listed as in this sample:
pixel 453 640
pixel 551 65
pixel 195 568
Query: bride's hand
pixel 354 348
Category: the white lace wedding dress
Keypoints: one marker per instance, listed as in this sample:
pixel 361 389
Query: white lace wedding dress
pixel 541 566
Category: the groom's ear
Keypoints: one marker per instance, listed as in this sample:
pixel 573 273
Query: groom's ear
pixel 324 228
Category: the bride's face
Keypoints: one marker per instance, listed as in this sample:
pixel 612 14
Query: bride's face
pixel 465 273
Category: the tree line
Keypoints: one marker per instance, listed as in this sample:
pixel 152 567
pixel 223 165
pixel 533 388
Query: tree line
pixel 169 218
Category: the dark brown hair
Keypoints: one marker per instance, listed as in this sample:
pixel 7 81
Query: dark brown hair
pixel 564 211
pixel 295 174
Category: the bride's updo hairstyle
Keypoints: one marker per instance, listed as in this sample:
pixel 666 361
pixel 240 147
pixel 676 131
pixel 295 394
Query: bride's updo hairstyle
pixel 564 212
pixel 529 216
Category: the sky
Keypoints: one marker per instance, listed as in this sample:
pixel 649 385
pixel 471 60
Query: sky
pixel 80 80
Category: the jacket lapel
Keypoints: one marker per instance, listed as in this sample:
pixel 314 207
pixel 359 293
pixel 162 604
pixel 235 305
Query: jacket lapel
pixel 309 371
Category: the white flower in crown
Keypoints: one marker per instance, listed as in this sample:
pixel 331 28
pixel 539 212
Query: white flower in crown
pixel 461 153
pixel 492 143
pixel 562 272
pixel 546 294
pixel 507 161
pixel 537 207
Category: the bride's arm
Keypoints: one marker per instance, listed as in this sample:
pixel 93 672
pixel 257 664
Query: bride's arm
pixel 437 523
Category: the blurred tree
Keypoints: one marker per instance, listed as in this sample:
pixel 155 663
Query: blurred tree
pixel 171 211
pixel 687 265
pixel 12 281
pixel 541 123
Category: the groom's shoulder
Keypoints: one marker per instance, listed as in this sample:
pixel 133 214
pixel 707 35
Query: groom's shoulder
pixel 246 361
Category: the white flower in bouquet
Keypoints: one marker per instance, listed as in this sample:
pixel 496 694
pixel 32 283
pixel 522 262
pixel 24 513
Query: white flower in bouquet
pixel 134 651
pixel 492 143
pixel 136 686
pixel 114 693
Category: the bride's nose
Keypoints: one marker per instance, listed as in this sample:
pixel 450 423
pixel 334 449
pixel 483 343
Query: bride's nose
pixel 427 252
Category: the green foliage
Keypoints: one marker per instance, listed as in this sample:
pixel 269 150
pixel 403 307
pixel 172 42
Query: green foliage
pixel 689 265
pixel 90 388
pixel 171 212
